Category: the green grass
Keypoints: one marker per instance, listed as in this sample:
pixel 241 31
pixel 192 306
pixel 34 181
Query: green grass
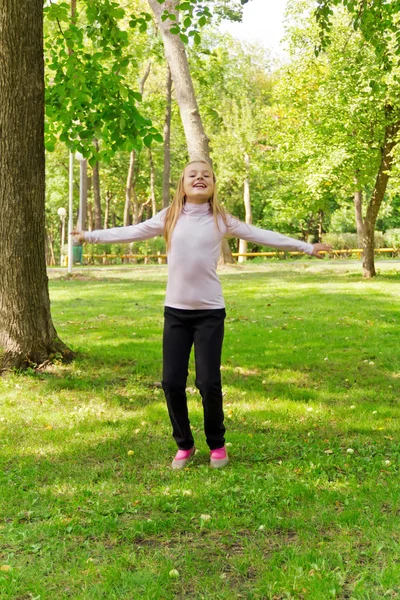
pixel 311 368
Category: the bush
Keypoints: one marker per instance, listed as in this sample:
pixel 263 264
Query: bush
pixel 349 241
pixel 392 238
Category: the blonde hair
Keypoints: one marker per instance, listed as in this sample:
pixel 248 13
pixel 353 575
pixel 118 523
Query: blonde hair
pixel 179 200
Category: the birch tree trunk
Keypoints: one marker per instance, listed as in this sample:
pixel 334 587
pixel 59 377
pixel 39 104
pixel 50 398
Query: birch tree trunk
pixel 27 334
pixel 175 53
pixel 167 140
pixel 128 190
pixel 247 205
pixel 378 194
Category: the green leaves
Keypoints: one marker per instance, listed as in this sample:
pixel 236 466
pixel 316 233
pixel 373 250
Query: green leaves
pixel 377 22
pixel 88 95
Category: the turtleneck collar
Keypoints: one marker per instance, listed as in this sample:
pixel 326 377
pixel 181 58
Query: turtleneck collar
pixel 190 208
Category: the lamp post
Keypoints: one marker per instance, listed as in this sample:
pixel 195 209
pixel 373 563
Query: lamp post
pixel 62 213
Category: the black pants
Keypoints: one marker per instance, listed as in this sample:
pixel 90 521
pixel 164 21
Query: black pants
pixel 204 329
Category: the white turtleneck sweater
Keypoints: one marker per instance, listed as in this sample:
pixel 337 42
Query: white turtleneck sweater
pixel 195 248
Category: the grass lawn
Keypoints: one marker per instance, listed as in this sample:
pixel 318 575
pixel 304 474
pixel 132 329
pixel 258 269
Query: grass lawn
pixel 309 507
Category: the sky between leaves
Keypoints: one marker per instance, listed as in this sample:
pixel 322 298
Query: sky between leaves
pixel 262 22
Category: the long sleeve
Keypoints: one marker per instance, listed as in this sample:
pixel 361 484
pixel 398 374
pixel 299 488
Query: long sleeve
pixel 250 233
pixel 118 235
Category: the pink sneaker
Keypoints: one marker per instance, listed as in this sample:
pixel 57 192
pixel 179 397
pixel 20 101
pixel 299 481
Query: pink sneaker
pixel 219 458
pixel 182 458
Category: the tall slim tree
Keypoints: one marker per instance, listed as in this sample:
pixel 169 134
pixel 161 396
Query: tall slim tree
pixel 197 140
pixel 175 53
pixel 27 334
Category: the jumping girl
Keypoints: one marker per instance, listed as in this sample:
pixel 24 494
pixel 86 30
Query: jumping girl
pixel 193 227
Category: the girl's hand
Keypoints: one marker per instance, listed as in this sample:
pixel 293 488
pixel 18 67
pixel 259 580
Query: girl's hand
pixel 317 248
pixel 78 235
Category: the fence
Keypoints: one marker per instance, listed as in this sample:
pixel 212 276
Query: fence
pixel 161 258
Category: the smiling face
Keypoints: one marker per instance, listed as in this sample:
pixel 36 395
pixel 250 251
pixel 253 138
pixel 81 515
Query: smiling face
pixel 198 182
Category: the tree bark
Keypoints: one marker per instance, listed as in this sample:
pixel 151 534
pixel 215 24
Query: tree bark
pixel 357 198
pixel 175 53
pixel 27 334
pixel 320 225
pixel 83 193
pixel 152 184
pixel 96 192
pixel 247 205
pixel 167 140
pixel 128 190
pixel 107 210
pixel 378 194
pixel 226 254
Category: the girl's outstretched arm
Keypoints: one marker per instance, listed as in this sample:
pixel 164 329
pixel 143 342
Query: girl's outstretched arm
pixel 265 237
pixel 120 235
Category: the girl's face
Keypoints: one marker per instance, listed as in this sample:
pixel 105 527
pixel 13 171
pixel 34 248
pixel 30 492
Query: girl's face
pixel 198 182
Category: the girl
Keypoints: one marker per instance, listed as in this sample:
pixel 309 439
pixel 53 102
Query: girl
pixel 193 227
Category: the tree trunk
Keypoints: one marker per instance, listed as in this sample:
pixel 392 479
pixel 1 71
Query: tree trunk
pixel 107 210
pixel 135 205
pixel 167 140
pixel 96 192
pixel 196 139
pixel 27 334
pixel 175 53
pixel 247 205
pixel 377 196
pixel 90 216
pixel 128 190
pixel 152 184
pixel 226 254
pixel 50 255
pixel 358 211
pixel 320 225
pixel 83 194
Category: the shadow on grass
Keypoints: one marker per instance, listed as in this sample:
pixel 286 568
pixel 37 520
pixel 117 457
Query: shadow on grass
pixel 329 347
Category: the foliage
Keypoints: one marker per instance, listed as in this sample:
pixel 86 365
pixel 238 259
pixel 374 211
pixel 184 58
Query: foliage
pixel 378 21
pixel 331 116
pixel 87 64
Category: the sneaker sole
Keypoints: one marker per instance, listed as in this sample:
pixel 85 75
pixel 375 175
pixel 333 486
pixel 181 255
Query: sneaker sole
pixel 219 464
pixel 178 465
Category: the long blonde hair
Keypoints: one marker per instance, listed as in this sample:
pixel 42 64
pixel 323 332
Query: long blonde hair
pixel 179 200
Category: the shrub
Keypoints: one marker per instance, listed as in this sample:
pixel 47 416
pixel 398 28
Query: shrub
pixel 392 238
pixel 349 241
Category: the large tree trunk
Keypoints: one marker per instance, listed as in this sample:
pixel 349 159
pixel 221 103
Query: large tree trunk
pixel 167 140
pixel 175 53
pixel 247 205
pixel 377 197
pixel 27 334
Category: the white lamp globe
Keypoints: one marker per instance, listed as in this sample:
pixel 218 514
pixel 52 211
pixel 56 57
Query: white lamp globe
pixel 61 212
